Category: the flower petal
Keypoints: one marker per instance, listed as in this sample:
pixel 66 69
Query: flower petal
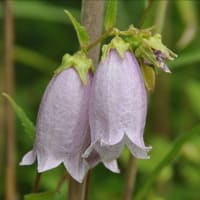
pixel 112 166
pixel 93 157
pixel 118 107
pixel 137 151
pixel 165 68
pixel 62 125
pixel 76 167
pixel 29 158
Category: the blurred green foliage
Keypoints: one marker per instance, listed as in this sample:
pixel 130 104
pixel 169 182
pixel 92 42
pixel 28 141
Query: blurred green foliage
pixel 43 34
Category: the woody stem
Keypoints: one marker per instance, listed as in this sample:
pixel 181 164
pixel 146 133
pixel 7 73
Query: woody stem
pixel 92 20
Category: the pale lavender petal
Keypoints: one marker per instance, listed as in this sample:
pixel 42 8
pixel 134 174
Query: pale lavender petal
pixel 161 58
pixel 137 151
pixel 118 107
pixel 93 157
pixel 29 158
pixel 165 68
pixel 76 167
pixel 62 125
pixel 112 165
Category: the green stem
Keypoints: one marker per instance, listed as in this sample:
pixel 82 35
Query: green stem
pixel 9 87
pixel 160 16
pixel 61 181
pixel 146 12
pixel 92 20
pixel 165 161
pixel 98 40
pixel 36 183
pixel 87 185
pixel 130 178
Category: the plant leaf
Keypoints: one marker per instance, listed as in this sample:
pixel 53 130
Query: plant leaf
pixel 26 122
pixel 192 90
pixel 170 156
pixel 80 30
pixel 149 77
pixel 34 59
pixel 111 13
pixel 34 10
pixel 185 59
pixel 50 195
pixel 189 15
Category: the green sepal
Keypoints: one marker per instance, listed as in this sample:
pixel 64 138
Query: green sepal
pixel 80 62
pixel 149 76
pixel 146 49
pixel 155 42
pixel 80 30
pixel 111 12
pixel 147 54
pixel 118 44
pixel 27 124
pixel 135 36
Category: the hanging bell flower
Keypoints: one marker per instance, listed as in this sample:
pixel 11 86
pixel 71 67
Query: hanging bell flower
pixel 118 104
pixel 62 124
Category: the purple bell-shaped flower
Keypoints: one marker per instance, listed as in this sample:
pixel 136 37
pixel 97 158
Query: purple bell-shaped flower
pixel 118 107
pixel 62 129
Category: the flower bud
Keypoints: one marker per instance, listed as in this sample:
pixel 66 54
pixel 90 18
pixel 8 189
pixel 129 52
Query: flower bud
pixel 118 108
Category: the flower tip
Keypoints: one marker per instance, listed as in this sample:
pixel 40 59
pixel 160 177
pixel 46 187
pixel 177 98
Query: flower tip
pixel 87 152
pixel 112 166
pixel 83 79
pixel 21 163
pixel 149 148
pixel 168 71
pixel 28 159
pixel 165 68
pixel 66 12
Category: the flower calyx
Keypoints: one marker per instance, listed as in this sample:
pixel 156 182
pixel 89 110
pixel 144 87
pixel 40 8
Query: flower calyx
pixel 149 76
pixel 80 62
pixel 118 44
pixel 154 53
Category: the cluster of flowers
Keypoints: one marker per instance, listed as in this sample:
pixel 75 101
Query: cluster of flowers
pixel 87 117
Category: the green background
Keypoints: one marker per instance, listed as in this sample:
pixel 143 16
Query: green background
pixel 43 34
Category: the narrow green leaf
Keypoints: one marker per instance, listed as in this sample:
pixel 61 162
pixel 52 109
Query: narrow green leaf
pixel 34 59
pixel 80 30
pixel 185 59
pixel 111 13
pixel 146 3
pixel 189 15
pixel 170 156
pixel 26 122
pixel 51 195
pixel 34 10
pixel 192 90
